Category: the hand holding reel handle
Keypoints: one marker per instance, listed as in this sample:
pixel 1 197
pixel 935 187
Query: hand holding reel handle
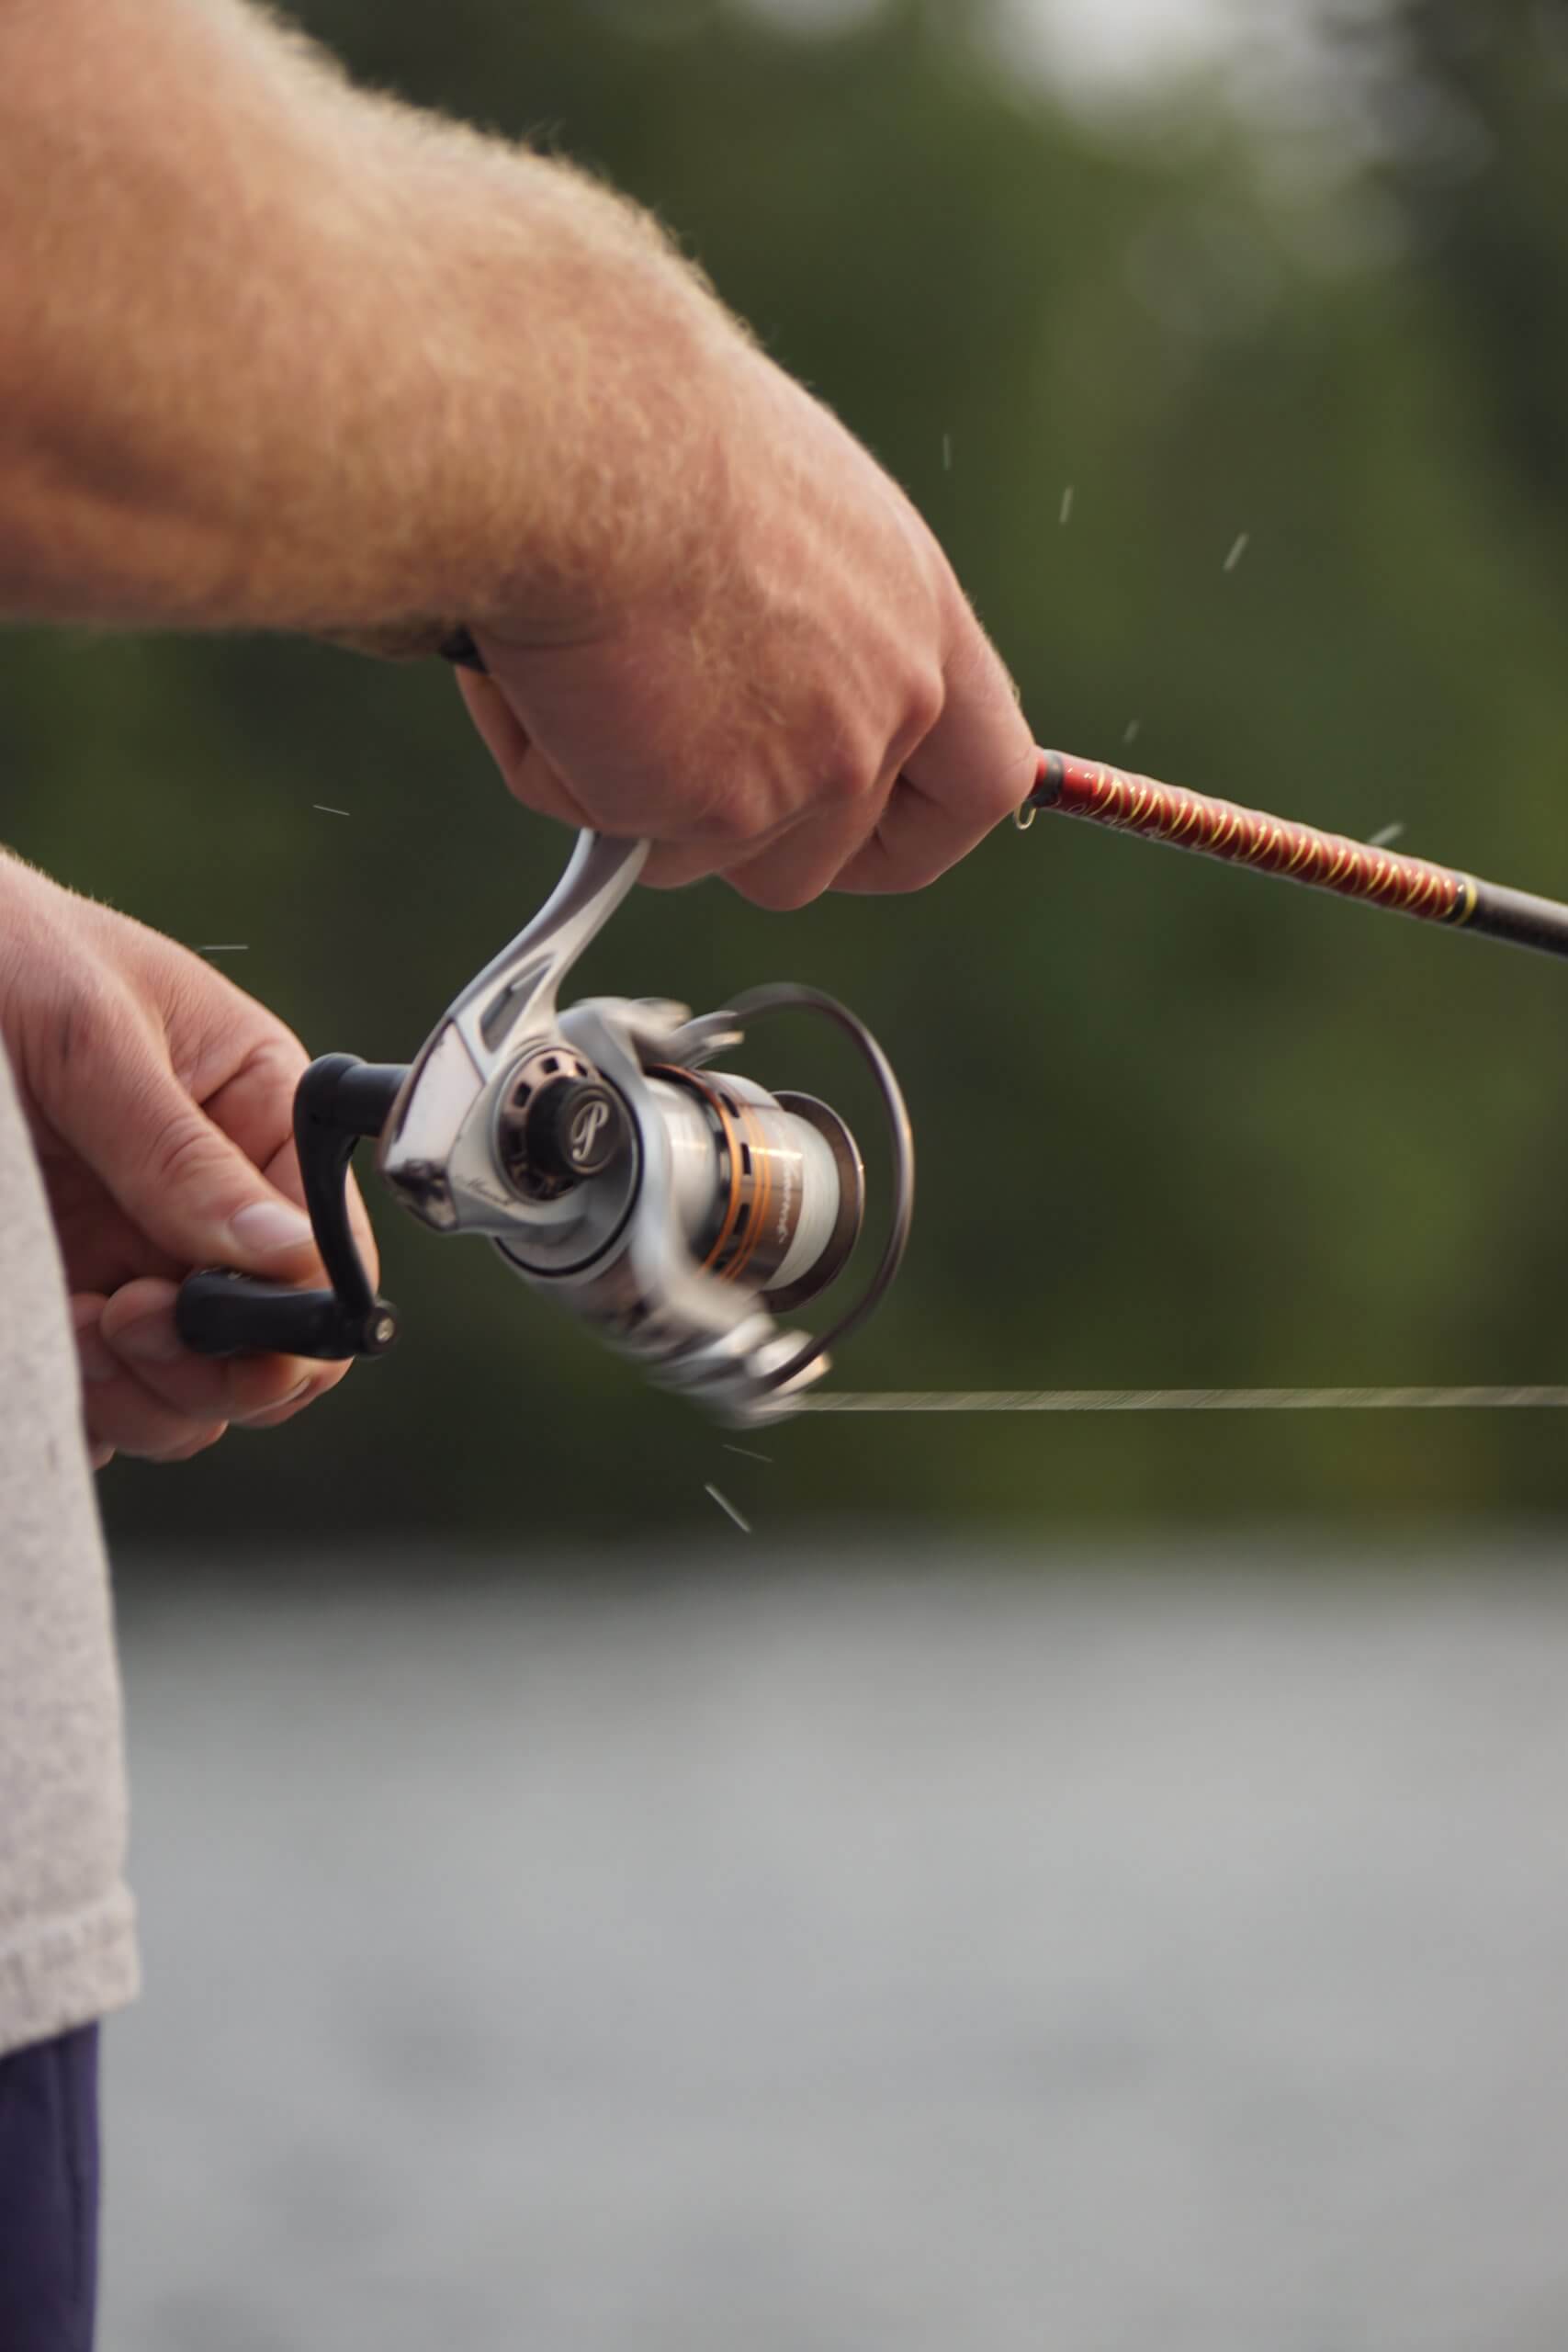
pixel 219 1313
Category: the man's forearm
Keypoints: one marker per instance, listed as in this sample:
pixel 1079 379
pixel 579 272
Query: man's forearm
pixel 276 353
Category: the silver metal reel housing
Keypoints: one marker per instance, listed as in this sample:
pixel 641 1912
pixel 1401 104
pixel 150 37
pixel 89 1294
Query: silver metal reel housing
pixel 626 1246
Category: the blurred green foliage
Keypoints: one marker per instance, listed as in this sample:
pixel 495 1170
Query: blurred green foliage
pixel 1177 1125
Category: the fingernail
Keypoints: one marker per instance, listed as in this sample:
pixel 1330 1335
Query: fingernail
pixel 268 1228
pixel 152 1341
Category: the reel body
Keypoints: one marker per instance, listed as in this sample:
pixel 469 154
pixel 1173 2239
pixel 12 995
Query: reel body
pixel 678 1209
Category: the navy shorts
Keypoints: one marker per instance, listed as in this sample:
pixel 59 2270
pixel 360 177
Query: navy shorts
pixel 48 2194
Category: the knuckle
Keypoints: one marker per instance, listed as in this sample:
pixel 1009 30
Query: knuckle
pixel 274 1058
pixel 273 1070
pixel 927 700
pixel 782 894
pixel 179 1151
pixel 282 1051
pixel 920 872
pixel 896 874
pixel 846 771
pixel 731 821
pixel 83 1019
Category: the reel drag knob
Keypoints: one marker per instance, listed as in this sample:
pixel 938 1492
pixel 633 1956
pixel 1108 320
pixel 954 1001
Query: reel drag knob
pixel 560 1124
pixel 573 1128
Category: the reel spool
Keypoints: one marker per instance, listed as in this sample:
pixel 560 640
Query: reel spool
pixel 676 1207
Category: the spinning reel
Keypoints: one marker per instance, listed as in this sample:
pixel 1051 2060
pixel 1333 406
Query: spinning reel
pixel 678 1209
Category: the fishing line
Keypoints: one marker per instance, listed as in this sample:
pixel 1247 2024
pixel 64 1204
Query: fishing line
pixel 1187 1400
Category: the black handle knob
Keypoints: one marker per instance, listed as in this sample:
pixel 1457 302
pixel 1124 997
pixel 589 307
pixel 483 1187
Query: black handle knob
pixel 219 1313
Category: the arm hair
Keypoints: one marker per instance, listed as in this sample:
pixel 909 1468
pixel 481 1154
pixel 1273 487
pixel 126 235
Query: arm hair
pixel 280 352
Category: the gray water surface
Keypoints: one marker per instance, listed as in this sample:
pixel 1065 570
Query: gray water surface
pixel 944 1960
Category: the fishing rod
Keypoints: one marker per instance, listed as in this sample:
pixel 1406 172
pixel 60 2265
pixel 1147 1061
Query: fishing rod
pixel 1296 852
pixel 1372 873
pixel 680 1209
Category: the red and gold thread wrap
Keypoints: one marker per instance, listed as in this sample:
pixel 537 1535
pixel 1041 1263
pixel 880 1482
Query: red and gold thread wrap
pixel 1165 812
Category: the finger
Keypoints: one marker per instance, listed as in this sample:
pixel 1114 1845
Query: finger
pixel 300 1402
pixel 977 766
pixel 200 1440
pixel 910 846
pixel 93 1359
pixel 673 866
pixel 186 1186
pixel 809 858
pixel 528 775
pixel 119 1412
pixel 532 779
pixel 138 1329
pixel 100 1244
pixel 125 1420
pixel 255 1110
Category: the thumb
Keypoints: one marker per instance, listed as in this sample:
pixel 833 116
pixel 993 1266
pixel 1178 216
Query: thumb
pixel 183 1184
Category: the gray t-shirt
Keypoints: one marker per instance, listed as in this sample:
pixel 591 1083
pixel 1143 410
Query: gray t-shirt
pixel 67 1926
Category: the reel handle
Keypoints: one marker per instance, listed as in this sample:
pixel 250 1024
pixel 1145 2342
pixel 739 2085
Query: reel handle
pixel 220 1312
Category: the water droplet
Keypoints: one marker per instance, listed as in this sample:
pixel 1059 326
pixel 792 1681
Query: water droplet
pixel 729 1508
